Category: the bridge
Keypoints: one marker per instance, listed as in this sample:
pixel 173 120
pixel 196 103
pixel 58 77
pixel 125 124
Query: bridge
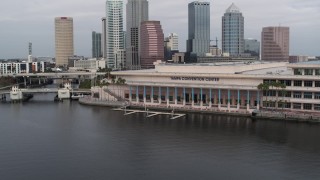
pixel 55 75
pixel 45 90
pixel 17 94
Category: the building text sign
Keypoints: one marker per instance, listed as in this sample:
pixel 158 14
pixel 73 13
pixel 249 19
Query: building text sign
pixel 174 78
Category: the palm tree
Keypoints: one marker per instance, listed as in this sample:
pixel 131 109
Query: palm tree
pixel 264 87
pixel 283 92
pixel 278 85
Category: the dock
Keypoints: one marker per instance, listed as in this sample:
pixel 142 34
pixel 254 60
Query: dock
pixel 149 113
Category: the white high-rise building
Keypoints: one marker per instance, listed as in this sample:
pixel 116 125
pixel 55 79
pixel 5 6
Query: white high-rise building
pixel 173 41
pixel 171 46
pixel 114 31
pixel 137 12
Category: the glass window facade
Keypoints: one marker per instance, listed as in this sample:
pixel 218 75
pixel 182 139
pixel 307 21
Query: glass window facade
pixel 317 107
pixel 307 106
pixel 297 106
pixel 308 83
pixel 317 95
pixel 308 95
pixel 297 95
pixel 297 83
pixel 286 82
pixel 297 71
pixel 308 72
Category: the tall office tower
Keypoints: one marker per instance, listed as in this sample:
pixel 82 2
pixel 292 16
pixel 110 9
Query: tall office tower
pixel 198 42
pixel 104 38
pixel 96 45
pixel 174 41
pixel 137 12
pixel 30 53
pixel 171 44
pixel 233 31
pixel 114 30
pixel 275 44
pixel 252 47
pixel 64 40
pixel 152 43
pixel 30 48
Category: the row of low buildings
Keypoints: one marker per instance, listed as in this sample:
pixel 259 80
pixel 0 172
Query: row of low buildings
pixel 9 68
pixel 230 87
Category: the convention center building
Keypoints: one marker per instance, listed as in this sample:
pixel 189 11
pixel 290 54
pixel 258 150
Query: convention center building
pixel 230 87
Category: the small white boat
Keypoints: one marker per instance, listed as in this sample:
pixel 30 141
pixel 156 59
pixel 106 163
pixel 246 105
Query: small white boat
pixel 76 96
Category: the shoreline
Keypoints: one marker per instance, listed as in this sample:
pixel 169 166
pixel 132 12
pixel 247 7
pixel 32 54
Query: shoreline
pixel 272 116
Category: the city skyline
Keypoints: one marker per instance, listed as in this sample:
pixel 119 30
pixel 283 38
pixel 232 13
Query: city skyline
pixel 33 22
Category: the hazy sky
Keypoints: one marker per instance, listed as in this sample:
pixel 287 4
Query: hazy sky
pixel 22 21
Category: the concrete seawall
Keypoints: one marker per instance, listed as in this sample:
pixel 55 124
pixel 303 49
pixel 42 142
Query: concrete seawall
pixel 267 115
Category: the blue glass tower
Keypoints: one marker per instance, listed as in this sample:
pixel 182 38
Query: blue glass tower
pixel 233 31
pixel 198 43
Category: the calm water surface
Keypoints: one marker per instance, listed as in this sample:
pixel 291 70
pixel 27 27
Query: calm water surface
pixel 42 140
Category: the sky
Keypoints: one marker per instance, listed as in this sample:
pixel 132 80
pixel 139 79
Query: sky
pixel 24 21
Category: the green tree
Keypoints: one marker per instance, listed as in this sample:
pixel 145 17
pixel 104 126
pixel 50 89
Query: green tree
pixel 264 87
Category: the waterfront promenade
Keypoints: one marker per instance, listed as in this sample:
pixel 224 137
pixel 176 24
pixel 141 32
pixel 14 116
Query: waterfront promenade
pixel 270 114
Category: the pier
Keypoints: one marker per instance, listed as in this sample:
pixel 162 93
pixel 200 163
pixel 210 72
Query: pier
pixel 149 113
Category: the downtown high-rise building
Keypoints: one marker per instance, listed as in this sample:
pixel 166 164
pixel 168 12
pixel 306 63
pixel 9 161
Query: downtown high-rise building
pixel 137 12
pixel 63 40
pixel 173 41
pixel 171 46
pixel 96 45
pixel 275 44
pixel 252 47
pixel 114 31
pixel 198 43
pixel 233 31
pixel 152 43
pixel 104 38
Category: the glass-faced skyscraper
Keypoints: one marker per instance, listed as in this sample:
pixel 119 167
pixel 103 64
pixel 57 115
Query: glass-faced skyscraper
pixel 137 12
pixel 96 45
pixel 114 30
pixel 252 47
pixel 233 31
pixel 198 43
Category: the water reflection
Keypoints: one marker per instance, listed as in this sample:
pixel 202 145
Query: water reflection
pixel 80 142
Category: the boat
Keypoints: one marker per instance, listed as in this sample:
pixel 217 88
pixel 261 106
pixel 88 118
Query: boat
pixel 76 96
pixel 57 99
